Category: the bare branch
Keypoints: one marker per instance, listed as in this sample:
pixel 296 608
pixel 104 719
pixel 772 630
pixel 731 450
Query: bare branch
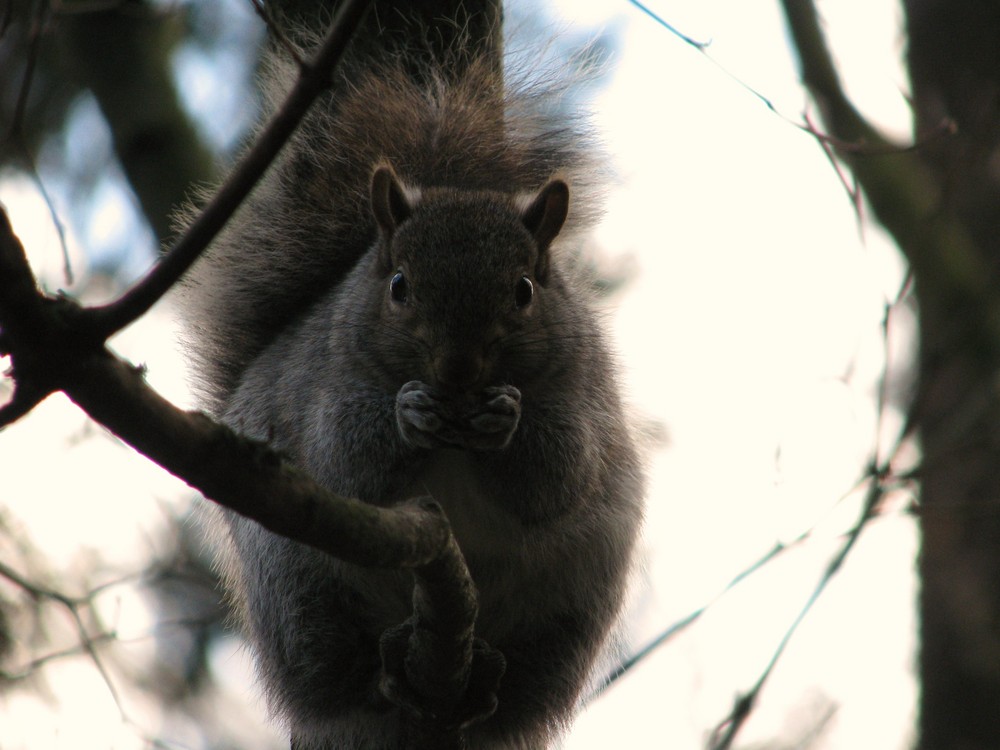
pixel 902 192
pixel 48 353
pixel 72 607
pixel 57 345
pixel 679 626
pixel 249 478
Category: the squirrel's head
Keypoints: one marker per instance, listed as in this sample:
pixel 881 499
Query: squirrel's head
pixel 465 275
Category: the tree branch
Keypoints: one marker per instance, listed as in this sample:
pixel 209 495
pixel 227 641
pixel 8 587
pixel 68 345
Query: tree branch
pixel 433 665
pixel 901 191
pixel 49 354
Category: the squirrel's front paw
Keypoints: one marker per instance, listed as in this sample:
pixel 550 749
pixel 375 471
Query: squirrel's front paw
pixel 421 415
pixel 493 423
pixel 429 418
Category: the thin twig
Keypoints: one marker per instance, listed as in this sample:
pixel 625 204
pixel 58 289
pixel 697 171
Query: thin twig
pixel 850 183
pixel 878 478
pixel 724 734
pixel 678 626
pixel 861 147
pixel 779 548
pixel 700 46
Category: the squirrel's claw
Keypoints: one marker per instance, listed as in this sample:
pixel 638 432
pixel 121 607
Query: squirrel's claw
pixel 476 702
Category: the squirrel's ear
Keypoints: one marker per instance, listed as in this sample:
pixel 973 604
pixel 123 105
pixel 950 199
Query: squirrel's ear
pixel 545 215
pixel 390 205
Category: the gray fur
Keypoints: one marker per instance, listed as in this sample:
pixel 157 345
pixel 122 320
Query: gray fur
pixel 505 411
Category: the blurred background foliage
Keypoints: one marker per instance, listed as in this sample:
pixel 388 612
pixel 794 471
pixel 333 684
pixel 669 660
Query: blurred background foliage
pixel 125 104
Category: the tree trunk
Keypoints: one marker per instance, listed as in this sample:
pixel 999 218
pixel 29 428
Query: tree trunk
pixel 954 61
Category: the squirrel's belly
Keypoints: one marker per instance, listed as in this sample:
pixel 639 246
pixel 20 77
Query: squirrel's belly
pixel 479 521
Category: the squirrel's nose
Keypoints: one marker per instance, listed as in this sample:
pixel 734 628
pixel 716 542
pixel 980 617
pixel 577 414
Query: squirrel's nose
pixel 459 370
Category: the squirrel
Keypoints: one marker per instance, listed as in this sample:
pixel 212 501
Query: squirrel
pixel 394 309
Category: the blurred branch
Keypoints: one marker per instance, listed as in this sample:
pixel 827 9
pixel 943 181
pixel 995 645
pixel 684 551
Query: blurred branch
pixel 87 637
pixel 73 607
pixel 313 79
pixel 15 139
pixel 87 644
pixel 902 192
pixel 122 55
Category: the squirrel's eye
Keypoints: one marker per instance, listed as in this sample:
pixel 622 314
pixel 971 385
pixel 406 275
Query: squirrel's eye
pixel 397 287
pixel 523 292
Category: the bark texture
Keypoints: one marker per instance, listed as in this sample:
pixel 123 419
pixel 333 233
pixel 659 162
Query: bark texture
pixel 954 62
